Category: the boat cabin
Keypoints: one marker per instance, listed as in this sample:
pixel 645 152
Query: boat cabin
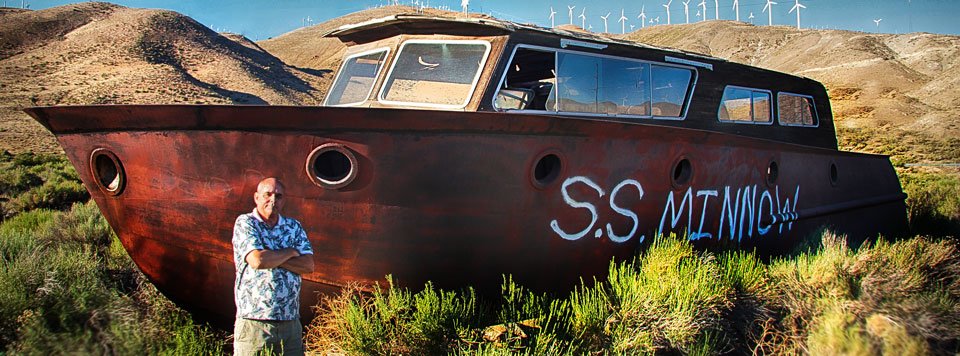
pixel 486 65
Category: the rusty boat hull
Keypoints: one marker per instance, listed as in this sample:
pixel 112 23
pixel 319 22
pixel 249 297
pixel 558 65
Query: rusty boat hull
pixel 456 198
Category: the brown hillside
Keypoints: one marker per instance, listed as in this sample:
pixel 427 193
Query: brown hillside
pixel 95 53
pixel 24 30
pixel 307 48
pixel 892 94
pixel 910 82
pixel 243 41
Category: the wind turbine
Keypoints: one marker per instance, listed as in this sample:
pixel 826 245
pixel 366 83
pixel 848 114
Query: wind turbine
pixel 583 18
pixel 623 22
pixel 466 3
pixel 703 11
pixel 797 7
pixel 605 30
pixel 768 8
pixel 657 19
pixel 686 10
pixel 877 21
pixel 667 6
pixel 552 14
pixel 910 18
pixel 716 9
pixel 570 13
pixel 736 8
pixel 642 16
pixel 751 17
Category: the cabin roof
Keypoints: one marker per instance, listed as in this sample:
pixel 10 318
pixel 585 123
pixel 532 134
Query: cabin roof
pixel 505 26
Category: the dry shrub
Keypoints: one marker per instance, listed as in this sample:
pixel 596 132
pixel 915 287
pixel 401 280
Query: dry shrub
pixel 670 299
pixel 392 321
pixel 837 331
pixel 890 297
pixel 894 337
pixel 328 334
pixel 901 297
pixel 914 283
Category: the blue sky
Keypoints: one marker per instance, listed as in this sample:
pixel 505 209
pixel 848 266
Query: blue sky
pixel 261 19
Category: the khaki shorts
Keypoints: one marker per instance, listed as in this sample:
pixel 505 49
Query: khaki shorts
pixel 267 337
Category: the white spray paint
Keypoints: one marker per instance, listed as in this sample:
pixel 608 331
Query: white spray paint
pixel 625 212
pixel 579 205
pixel 741 212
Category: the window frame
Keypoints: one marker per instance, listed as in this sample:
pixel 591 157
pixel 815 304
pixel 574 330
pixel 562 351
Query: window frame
pixel 813 101
pixel 686 105
pixel 376 76
pixel 503 78
pixel 752 111
pixel 473 86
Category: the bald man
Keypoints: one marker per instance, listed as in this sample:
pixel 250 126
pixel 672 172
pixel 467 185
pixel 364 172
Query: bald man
pixel 270 253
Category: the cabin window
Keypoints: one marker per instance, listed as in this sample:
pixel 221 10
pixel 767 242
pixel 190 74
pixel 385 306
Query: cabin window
pixel 796 110
pixel 566 81
pixel 435 73
pixel 745 105
pixel 528 82
pixel 356 77
pixel 578 83
pixel 591 84
pixel 625 88
pixel 670 86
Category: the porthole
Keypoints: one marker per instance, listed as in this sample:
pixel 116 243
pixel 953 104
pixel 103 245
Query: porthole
pixel 773 172
pixel 107 171
pixel 834 175
pixel 331 166
pixel 546 169
pixel 682 172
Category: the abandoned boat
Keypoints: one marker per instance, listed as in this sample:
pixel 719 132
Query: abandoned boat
pixel 459 150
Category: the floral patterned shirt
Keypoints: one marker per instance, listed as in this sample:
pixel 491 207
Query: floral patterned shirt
pixel 267 294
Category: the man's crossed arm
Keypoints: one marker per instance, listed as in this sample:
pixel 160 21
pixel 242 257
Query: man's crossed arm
pixel 288 259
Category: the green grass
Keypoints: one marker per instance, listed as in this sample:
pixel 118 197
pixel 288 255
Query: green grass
pixel 30 181
pixel 67 286
pixel 902 146
pixel 933 201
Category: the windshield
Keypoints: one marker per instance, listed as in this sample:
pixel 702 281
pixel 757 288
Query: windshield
pixel 356 78
pixel 435 73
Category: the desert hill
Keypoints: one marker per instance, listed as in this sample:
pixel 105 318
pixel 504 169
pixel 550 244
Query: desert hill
pixel 892 94
pixel 908 83
pixel 98 53
pixel 306 47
